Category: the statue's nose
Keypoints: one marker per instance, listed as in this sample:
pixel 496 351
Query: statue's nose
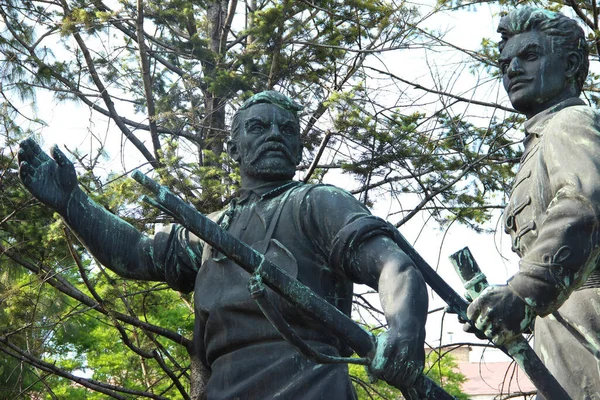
pixel 514 68
pixel 274 132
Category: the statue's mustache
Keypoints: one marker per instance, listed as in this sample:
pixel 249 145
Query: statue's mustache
pixel 272 147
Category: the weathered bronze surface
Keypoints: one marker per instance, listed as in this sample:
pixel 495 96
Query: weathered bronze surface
pixel 319 234
pixel 553 212
pixel 265 273
pixel 475 282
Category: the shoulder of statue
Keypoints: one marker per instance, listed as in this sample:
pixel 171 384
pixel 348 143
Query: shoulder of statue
pixel 323 188
pixel 571 123
pixel 328 198
pixel 578 115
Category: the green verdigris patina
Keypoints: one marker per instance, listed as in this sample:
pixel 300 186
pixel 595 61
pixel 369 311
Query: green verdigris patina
pixel 475 282
pixel 553 214
pixel 265 273
pixel 319 235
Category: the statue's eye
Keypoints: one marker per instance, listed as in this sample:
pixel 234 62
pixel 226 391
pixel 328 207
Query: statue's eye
pixel 504 67
pixel 257 128
pixel 531 56
pixel 288 130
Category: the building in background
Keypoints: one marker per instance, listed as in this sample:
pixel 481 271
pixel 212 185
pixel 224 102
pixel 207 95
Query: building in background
pixel 491 375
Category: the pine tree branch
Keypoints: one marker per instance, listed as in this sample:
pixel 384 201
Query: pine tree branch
pixel 465 169
pixel 472 54
pixel 357 63
pixel 227 27
pixel 109 103
pixel 61 284
pixel 575 6
pixel 111 390
pixel 101 303
pixel 85 99
pixel 154 354
pixel 391 180
pixel 278 39
pixel 592 24
pixel 171 375
pixel 130 32
pixel 93 73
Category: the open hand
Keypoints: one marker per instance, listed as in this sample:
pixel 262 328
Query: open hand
pixel 50 180
pixel 500 314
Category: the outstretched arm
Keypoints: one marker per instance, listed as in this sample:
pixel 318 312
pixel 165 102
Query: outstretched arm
pixel 115 243
pixel 400 354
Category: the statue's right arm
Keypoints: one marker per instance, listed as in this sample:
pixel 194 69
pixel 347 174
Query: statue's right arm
pixel 114 242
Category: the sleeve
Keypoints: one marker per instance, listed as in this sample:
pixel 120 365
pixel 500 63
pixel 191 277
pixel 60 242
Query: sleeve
pixel 337 224
pixel 566 249
pixel 178 253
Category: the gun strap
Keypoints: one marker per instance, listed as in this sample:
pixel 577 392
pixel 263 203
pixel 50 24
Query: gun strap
pixel 273 224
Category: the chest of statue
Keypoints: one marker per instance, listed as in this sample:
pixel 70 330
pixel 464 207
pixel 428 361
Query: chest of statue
pixel 225 311
pixel 270 226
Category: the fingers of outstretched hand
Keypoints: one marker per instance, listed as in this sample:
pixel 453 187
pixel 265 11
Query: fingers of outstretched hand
pixel 66 170
pixel 31 152
pixel 30 158
pixel 26 172
pixel 50 179
pixel 59 156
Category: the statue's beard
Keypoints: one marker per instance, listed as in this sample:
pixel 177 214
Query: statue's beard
pixel 266 166
pixel 271 169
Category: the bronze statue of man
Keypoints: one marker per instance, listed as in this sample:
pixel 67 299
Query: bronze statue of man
pixel 319 234
pixel 553 214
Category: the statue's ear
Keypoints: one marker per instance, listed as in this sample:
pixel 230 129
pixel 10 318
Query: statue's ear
pixel 233 151
pixel 573 60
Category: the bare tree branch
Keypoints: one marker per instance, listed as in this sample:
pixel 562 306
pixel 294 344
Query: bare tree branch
pixel 147 80
pixel 315 161
pixel 446 94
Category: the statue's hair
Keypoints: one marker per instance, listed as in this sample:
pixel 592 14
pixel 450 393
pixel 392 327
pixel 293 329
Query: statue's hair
pixel 269 97
pixel 565 33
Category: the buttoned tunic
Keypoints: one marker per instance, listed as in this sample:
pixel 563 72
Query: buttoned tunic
pixel 553 219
